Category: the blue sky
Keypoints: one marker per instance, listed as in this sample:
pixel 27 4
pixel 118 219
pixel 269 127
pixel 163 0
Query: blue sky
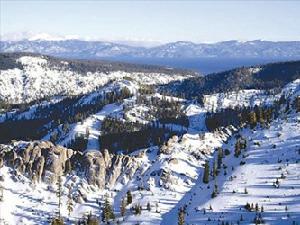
pixel 163 21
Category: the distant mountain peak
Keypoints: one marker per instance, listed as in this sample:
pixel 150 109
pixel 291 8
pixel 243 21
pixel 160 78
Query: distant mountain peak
pixel 72 46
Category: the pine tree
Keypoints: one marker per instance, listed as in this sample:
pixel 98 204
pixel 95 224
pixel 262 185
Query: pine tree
pixel 215 191
pixel 256 207
pixel 237 148
pixel 92 220
pixel 123 207
pixel 129 197
pixel 137 209
pixel 261 116
pixel 70 202
pixel 59 194
pixel 206 173
pixel 252 119
pixel 215 169
pixel 108 213
pixel 220 157
pixel 248 206
pixel 149 206
pixel 57 221
pixel 181 216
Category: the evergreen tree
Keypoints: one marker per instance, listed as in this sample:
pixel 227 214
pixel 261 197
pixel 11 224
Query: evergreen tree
pixel 129 197
pixel 252 119
pixel 59 194
pixel 256 207
pixel 215 169
pixel 149 206
pixel 237 148
pixel 92 220
pixel 206 173
pixel 137 209
pixel 181 216
pixel 123 207
pixel 70 202
pixel 215 191
pixel 57 221
pixel 220 157
pixel 107 212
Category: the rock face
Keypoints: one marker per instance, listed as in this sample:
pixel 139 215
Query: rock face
pixel 35 157
pixel 95 168
pixel 43 161
pixel 104 169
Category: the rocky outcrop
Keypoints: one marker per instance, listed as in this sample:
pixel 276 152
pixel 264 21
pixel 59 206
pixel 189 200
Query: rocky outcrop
pixel 33 158
pixel 44 161
pixel 104 169
pixel 122 165
pixel 95 170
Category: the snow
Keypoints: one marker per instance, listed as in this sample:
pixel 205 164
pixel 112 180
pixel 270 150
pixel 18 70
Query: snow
pixel 38 80
pixel 196 115
pixel 249 97
pixel 27 203
pixel 257 176
pixel 188 186
pixel 93 125
pixel 240 98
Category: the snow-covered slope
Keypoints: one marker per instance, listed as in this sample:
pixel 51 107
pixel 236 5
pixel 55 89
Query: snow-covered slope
pixel 168 176
pixel 38 79
pixel 271 154
pixel 173 179
pixel 249 98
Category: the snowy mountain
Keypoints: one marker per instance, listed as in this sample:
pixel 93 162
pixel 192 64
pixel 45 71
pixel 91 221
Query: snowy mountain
pixel 28 77
pixel 74 48
pixel 128 144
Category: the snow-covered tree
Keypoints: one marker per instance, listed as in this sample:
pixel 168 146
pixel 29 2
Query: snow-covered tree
pixel 181 215
pixel 206 173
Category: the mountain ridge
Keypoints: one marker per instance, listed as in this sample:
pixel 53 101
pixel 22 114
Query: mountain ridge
pixel 181 49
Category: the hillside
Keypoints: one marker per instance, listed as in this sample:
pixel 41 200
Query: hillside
pixel 265 77
pixel 118 141
pixel 29 77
